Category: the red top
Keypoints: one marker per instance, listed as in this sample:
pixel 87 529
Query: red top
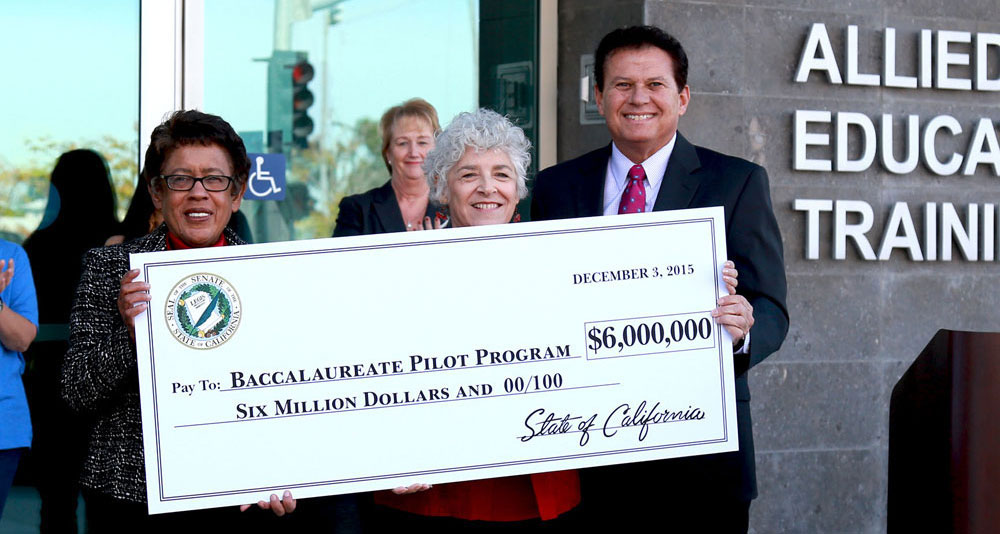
pixel 516 498
pixel 174 242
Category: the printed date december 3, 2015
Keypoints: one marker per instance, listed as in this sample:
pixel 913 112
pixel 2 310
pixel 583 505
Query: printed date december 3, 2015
pixel 633 273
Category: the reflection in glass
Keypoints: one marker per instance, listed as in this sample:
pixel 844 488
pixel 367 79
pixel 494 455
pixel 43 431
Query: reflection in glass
pixel 74 70
pixel 310 80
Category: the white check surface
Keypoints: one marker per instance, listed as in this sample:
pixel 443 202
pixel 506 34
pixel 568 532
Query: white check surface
pixel 373 362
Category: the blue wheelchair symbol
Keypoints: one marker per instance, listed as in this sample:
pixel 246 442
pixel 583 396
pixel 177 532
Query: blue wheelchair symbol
pixel 267 177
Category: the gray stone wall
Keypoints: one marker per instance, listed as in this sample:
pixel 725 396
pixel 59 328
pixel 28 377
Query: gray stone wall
pixel 821 404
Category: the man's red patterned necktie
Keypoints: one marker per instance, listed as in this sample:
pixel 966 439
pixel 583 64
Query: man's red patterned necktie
pixel 634 197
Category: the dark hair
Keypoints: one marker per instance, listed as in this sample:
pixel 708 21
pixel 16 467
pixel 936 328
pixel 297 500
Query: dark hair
pixel 634 37
pixel 190 127
pixel 81 191
pixel 80 215
pixel 140 209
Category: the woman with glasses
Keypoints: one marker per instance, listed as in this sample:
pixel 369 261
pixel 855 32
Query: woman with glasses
pixel 196 170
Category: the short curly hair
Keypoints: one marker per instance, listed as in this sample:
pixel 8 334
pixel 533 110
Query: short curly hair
pixel 482 130
pixel 192 127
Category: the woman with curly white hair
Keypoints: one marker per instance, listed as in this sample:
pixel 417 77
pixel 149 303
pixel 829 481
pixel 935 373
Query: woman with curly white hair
pixel 478 169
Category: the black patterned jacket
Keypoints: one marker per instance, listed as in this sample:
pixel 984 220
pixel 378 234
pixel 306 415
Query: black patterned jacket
pixel 100 376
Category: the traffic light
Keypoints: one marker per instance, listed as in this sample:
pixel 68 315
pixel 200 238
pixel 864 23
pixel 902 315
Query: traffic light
pixel 288 100
pixel 302 98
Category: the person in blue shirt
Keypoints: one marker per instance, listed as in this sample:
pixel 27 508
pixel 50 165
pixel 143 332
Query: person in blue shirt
pixel 18 326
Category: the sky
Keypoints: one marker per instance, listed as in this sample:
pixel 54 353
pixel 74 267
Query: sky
pixel 74 73
pixel 71 71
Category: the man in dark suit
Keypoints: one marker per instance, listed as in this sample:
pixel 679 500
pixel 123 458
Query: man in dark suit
pixel 641 90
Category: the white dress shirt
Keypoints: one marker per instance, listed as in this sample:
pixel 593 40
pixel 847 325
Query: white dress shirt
pixel 616 177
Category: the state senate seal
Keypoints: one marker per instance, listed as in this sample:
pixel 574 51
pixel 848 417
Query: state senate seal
pixel 203 311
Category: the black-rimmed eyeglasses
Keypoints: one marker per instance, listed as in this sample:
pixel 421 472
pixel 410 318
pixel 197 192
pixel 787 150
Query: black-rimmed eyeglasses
pixel 183 182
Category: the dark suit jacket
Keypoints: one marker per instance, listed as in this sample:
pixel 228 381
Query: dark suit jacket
pixel 697 177
pixel 372 212
pixel 99 373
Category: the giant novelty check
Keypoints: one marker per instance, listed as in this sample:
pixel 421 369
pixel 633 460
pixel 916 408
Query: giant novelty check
pixel 365 363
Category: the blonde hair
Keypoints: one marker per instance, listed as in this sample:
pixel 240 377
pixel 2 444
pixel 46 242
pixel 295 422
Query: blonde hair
pixel 413 108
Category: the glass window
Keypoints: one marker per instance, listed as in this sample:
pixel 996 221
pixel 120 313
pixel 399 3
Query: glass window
pixel 366 56
pixel 72 81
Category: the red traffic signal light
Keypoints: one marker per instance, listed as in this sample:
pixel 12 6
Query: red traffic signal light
pixel 302 126
pixel 302 73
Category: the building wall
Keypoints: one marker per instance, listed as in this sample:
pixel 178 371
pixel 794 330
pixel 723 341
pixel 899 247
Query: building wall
pixel 821 404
